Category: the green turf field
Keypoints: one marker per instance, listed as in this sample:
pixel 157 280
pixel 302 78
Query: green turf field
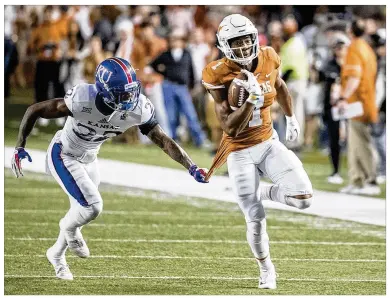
pixel 157 244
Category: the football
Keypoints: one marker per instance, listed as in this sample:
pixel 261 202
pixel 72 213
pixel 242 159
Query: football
pixel 237 94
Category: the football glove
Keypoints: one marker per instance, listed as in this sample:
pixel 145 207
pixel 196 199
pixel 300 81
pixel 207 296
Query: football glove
pixel 199 174
pixel 292 130
pixel 252 86
pixel 16 162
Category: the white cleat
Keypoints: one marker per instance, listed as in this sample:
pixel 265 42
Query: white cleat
pixel 268 279
pixel 335 179
pixel 369 190
pixel 60 266
pixel 381 179
pixel 77 244
pixel 350 189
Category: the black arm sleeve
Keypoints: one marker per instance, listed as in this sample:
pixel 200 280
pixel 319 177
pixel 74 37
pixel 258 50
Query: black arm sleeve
pixel 148 126
pixel 286 75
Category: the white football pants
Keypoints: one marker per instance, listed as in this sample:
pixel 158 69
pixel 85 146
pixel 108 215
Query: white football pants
pixel 79 181
pixel 282 166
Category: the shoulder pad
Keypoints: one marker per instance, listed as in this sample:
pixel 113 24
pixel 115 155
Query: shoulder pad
pixel 213 73
pixel 80 96
pixel 147 109
pixel 270 53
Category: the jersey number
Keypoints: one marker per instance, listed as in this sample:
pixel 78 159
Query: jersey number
pixel 256 116
pixel 89 134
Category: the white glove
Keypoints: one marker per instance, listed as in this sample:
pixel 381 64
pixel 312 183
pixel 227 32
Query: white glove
pixel 16 162
pixel 292 129
pixel 252 86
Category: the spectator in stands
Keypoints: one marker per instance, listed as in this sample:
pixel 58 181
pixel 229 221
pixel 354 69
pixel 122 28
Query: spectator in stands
pixel 330 74
pixel 102 26
pixel 159 23
pixel 295 72
pixel 125 31
pixel 176 67
pixel 74 52
pixel 313 99
pixel 147 47
pixel 45 43
pixel 11 60
pixel 200 51
pixel 358 75
pixel 82 17
pixel 97 55
pixel 379 128
pixel 180 17
pixel 22 24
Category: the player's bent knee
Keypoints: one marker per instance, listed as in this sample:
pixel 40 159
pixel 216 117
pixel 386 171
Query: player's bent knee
pixel 96 209
pixel 300 202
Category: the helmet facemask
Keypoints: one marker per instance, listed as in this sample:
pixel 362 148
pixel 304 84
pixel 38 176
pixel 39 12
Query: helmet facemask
pixel 236 54
pixel 123 99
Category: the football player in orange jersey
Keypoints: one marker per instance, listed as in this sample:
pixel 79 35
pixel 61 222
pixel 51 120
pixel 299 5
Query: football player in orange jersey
pixel 249 144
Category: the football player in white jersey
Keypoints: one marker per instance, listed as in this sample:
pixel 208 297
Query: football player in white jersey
pixel 96 112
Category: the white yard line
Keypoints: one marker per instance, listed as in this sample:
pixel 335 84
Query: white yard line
pixel 326 204
pixel 121 212
pixel 199 277
pixel 188 226
pixel 212 258
pixel 205 241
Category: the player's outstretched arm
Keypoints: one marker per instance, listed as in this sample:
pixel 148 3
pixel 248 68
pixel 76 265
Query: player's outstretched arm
pixel 284 99
pixel 49 109
pixel 170 147
pixel 54 108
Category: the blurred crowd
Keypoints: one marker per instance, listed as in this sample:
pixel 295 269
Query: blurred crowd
pixel 52 48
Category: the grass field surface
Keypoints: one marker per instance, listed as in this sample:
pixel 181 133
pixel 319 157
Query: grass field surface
pixel 158 244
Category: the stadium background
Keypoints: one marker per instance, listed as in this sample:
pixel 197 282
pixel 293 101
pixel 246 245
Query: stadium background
pixel 80 37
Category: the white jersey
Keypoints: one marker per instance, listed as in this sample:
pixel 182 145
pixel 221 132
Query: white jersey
pixel 87 129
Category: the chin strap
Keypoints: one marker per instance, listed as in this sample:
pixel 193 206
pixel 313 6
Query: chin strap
pixel 112 115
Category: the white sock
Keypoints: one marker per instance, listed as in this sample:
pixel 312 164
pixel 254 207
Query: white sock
pixel 79 216
pixel 60 246
pixel 265 264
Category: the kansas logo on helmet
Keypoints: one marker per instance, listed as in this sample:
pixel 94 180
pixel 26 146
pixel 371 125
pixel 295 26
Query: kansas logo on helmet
pixel 103 74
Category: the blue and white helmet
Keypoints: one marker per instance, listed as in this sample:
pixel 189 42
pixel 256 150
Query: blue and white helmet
pixel 116 80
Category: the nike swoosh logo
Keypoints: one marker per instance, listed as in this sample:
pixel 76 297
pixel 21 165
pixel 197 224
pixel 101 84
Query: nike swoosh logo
pixel 267 75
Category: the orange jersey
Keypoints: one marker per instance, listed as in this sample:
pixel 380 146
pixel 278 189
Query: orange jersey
pixel 361 63
pixel 218 75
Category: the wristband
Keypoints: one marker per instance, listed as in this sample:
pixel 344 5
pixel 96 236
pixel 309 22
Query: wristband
pixel 253 98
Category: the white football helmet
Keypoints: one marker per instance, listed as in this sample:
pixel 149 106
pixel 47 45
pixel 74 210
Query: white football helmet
pixel 236 25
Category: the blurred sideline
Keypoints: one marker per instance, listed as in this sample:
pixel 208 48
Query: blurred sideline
pixel 327 204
